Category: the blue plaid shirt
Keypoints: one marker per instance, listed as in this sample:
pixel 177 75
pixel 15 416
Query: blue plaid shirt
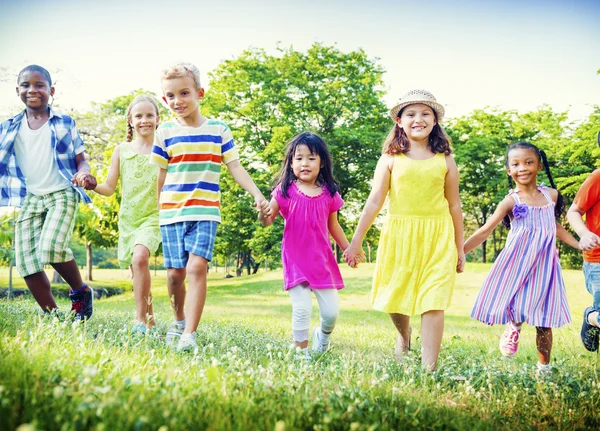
pixel 65 141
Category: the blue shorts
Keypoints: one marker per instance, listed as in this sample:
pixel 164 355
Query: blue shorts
pixel 591 271
pixel 185 237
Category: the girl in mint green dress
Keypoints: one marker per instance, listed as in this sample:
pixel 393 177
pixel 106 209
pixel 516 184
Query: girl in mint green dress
pixel 139 233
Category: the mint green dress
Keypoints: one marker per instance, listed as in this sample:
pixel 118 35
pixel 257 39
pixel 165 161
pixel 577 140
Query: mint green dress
pixel 138 216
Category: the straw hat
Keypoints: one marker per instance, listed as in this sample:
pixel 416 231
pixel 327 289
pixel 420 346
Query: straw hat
pixel 418 96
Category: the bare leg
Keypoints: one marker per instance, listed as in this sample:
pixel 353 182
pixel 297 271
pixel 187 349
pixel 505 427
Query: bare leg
pixel 141 282
pixel 402 324
pixel 176 288
pixel 543 340
pixel 39 286
pixel 69 271
pixel 196 269
pixel 432 329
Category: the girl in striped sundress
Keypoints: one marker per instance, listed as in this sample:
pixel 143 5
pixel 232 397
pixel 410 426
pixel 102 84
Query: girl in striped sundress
pixel 525 283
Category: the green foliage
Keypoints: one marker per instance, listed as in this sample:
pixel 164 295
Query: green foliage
pixel 7 246
pixel 267 99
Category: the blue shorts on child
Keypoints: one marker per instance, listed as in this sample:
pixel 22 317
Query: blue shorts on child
pixel 591 272
pixel 182 238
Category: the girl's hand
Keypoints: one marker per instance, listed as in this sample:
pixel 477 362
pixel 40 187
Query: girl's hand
pixel 460 264
pixel 354 254
pixel 262 206
pixel 85 180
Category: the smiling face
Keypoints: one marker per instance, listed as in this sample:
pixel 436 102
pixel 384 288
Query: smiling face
pixel 182 96
pixel 523 165
pixel 417 121
pixel 34 90
pixel 143 118
pixel 306 165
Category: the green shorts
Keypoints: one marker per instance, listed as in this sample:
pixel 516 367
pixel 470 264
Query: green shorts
pixel 44 229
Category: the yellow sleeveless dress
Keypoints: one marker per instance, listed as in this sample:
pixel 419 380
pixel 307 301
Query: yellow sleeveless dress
pixel 416 258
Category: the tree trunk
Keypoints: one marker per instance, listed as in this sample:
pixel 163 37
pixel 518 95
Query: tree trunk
pixel 483 248
pixel 239 266
pixel 88 259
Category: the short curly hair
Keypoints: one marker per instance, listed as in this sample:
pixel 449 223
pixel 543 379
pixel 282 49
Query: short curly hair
pixel 181 70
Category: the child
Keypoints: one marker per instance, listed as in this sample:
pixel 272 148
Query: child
pixel 139 233
pixel 189 151
pixel 587 202
pixel 307 197
pixel 421 243
pixel 43 169
pixel 525 283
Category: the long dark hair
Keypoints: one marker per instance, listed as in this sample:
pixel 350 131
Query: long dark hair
pixel 397 142
pixel 317 146
pixel 559 208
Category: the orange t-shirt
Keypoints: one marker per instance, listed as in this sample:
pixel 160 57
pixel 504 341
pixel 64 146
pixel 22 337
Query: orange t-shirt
pixel 588 199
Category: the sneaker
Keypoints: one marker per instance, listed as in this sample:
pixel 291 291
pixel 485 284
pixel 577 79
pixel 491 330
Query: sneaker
pixel 301 355
pixel 589 333
pixel 509 342
pixel 544 371
pixel 82 303
pixel 187 343
pixel 139 329
pixel 317 346
pixel 174 333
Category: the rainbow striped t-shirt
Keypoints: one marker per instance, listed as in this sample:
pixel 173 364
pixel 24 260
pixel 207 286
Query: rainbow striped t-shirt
pixel 192 157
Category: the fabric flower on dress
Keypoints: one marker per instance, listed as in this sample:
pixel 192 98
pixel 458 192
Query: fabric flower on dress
pixel 520 211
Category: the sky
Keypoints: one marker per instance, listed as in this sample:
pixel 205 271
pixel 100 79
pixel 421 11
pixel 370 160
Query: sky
pixel 471 54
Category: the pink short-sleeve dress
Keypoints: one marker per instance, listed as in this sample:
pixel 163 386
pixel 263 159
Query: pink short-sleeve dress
pixel 306 252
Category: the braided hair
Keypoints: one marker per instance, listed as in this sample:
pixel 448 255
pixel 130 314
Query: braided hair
pixel 559 208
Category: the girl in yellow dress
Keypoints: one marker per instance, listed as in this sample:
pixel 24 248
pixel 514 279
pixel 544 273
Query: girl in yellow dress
pixel 421 245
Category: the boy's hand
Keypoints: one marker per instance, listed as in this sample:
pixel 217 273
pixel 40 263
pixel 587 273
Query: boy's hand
pixel 262 206
pixel 589 241
pixel 85 180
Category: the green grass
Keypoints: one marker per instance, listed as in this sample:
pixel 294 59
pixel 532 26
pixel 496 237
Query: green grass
pixel 244 377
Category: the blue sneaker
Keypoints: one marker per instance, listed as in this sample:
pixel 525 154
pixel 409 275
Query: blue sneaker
pixel 589 333
pixel 82 303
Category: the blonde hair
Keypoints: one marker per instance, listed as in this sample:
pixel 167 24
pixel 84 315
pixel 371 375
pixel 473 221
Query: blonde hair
pixel 181 70
pixel 138 99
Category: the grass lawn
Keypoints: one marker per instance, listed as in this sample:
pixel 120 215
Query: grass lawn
pixel 55 375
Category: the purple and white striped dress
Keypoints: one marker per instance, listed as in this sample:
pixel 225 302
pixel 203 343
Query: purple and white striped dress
pixel 525 283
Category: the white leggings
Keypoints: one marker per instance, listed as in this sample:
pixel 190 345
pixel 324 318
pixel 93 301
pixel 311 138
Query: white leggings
pixel 329 306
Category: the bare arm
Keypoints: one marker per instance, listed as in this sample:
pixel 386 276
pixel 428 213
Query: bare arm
pixel 108 187
pixel 484 231
pixel 336 231
pixel 587 239
pixel 267 220
pixel 241 177
pixel 566 237
pixel 160 182
pixel 453 198
pixel 376 199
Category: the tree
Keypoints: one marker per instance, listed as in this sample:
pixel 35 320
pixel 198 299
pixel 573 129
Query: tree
pixel 267 99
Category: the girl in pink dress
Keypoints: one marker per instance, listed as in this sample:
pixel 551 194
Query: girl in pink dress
pixel 306 195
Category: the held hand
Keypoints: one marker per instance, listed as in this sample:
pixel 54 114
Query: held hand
pixel 589 241
pixel 85 180
pixel 262 206
pixel 354 254
pixel 460 264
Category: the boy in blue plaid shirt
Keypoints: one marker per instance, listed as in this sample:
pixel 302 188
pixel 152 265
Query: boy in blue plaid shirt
pixel 43 170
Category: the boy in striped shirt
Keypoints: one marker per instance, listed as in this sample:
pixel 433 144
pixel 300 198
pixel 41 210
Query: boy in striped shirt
pixel 189 151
